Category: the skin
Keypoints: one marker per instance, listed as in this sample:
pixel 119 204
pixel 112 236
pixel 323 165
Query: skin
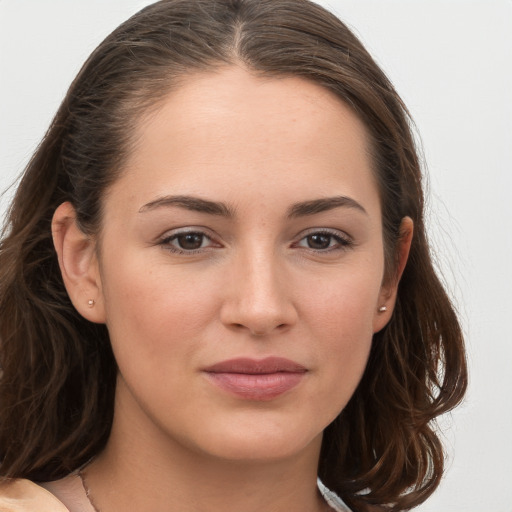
pixel 269 279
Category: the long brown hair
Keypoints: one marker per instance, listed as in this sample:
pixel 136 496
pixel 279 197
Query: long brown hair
pixel 58 372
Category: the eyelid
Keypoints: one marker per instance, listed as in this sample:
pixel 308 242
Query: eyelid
pixel 346 241
pixel 170 235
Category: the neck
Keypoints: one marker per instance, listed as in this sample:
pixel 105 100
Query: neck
pixel 144 469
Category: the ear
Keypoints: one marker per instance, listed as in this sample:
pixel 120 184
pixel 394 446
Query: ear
pixel 78 264
pixel 389 289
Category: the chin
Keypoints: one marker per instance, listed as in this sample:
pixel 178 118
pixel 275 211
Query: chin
pixel 259 445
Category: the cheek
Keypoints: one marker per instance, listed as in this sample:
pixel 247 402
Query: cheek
pixel 340 317
pixel 154 310
pixel 346 303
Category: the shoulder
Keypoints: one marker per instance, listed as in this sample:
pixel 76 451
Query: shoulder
pixel 25 496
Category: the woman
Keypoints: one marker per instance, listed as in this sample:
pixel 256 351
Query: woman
pixel 215 281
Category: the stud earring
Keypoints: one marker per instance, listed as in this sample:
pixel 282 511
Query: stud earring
pixel 91 302
pixel 382 309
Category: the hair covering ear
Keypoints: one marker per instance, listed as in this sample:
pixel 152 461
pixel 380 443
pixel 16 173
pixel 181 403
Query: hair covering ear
pixel 404 245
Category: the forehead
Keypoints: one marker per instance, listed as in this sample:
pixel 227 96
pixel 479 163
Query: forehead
pixel 263 133
pixel 211 100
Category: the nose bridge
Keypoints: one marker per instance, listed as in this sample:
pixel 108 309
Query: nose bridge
pixel 258 299
pixel 260 273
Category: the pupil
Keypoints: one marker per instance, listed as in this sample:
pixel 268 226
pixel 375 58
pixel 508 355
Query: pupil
pixel 319 241
pixel 190 241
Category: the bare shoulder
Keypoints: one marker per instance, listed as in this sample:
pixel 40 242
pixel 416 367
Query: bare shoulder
pixel 21 495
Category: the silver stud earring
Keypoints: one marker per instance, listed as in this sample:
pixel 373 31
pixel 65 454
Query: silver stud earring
pixel 382 309
pixel 91 302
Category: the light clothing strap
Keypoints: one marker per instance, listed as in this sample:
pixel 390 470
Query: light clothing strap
pixel 332 499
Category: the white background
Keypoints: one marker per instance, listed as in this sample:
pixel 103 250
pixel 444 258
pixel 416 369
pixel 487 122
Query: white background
pixel 451 60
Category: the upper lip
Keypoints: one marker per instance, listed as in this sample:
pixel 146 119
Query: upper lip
pixel 256 366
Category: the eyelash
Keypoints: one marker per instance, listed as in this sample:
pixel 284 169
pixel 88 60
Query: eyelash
pixel 343 242
pixel 167 242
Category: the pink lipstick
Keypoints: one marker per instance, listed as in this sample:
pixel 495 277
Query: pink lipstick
pixel 252 379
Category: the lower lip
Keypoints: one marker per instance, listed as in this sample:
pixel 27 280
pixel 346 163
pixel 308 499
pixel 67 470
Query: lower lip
pixel 261 387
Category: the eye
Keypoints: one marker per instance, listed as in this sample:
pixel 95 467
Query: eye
pixel 324 241
pixel 187 241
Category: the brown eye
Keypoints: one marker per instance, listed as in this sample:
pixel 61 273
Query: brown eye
pixel 325 241
pixel 190 241
pixel 319 241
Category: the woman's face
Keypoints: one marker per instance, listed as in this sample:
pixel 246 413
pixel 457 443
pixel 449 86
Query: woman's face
pixel 241 266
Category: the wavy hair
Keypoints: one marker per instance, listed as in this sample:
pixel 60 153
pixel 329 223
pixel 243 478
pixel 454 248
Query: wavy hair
pixel 58 372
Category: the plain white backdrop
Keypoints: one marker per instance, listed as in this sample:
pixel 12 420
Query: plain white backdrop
pixel 451 60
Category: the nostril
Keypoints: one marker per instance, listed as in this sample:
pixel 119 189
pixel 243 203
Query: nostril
pixel 258 315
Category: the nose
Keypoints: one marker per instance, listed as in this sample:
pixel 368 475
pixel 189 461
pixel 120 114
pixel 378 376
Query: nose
pixel 258 296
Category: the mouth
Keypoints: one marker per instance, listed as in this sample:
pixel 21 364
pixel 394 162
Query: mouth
pixel 259 380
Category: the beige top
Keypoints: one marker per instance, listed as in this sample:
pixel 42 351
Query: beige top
pixel 66 495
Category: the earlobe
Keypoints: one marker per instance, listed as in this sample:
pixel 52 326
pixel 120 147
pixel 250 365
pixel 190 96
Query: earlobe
pixel 387 297
pixel 78 264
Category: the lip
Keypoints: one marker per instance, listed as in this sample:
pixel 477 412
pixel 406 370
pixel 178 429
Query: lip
pixel 256 379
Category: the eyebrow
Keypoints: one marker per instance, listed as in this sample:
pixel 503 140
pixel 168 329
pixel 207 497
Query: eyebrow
pixel 195 204
pixel 302 209
pixel 324 204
